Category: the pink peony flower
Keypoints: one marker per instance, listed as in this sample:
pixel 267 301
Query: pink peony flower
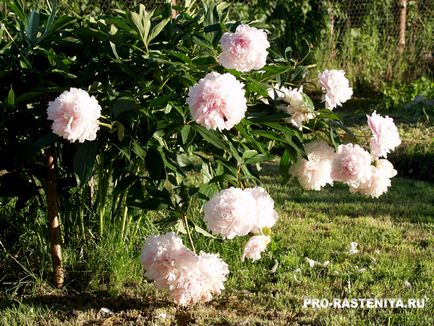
pixel 244 50
pixel 188 277
pixel 75 115
pixel 351 165
pixel 297 107
pixel 199 280
pixel 314 173
pixel 385 135
pixel 230 213
pixel 255 246
pixel 379 181
pixel 217 101
pixel 266 216
pixel 161 256
pixel 336 86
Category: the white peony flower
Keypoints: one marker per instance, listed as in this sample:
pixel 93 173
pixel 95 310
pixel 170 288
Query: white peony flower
pixel 255 246
pixel 188 277
pixel 75 115
pixel 297 107
pixel 336 86
pixel 379 181
pixel 385 135
pixel 199 279
pixel 351 165
pixel 314 173
pixel 244 50
pixel 230 213
pixel 266 216
pixel 217 101
pixel 160 258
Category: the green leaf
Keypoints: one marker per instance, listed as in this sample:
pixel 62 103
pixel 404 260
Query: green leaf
pixel 45 141
pixel 257 87
pixel 157 29
pixel 224 177
pixel 298 74
pixel 185 132
pixel 181 56
pixel 18 9
pixel 84 160
pixel 154 164
pixel 268 134
pixel 11 97
pixel 115 52
pixel 51 18
pixel 142 22
pixel 121 130
pixel 259 159
pixel 285 163
pixel 125 151
pixel 138 149
pixel 124 184
pixel 122 105
pixel 212 137
pixel 155 200
pixel 334 138
pixel 206 191
pixel 308 101
pixel 202 42
pixel 249 154
pixel 136 195
pixel 33 26
pixel 264 116
pixel 199 230
pixel 350 137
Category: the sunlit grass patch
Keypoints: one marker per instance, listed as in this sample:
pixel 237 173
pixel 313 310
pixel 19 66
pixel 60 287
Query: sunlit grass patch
pixel 394 259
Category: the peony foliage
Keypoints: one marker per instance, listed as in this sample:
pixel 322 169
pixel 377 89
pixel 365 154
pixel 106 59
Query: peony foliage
pixel 149 113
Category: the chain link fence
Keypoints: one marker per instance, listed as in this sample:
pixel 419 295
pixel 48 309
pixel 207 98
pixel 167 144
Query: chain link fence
pixel 385 16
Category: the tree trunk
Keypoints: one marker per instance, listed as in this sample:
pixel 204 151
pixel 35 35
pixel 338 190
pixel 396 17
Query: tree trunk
pixel 174 12
pixel 402 24
pixel 53 219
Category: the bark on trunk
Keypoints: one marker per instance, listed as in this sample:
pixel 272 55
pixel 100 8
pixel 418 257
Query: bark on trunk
pixel 53 219
pixel 402 25
pixel 174 12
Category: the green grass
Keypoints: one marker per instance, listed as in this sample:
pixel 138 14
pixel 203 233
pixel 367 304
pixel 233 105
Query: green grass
pixel 395 235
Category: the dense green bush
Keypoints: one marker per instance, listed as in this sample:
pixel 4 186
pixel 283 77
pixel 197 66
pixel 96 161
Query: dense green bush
pixel 415 161
pixel 149 155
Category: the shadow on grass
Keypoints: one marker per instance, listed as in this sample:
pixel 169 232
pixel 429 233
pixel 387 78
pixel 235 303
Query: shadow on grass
pixel 66 302
pixel 92 308
pixel 85 308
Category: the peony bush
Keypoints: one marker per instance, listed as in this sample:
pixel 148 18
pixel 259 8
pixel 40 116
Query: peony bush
pixel 170 112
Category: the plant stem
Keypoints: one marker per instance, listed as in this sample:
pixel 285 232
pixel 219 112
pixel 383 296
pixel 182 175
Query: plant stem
pixel 108 125
pixel 83 230
pixel 53 219
pixel 189 233
pixel 124 221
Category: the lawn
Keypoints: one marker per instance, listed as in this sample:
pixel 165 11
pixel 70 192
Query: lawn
pixel 395 259
pixel 154 114
pixel 310 257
